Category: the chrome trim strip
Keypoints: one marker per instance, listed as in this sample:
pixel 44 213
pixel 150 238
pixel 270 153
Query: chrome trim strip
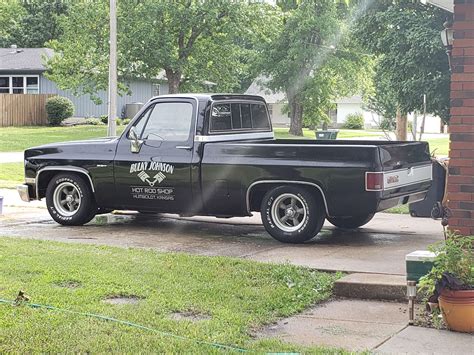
pixel 62 168
pixel 234 137
pixel 30 180
pixel 285 182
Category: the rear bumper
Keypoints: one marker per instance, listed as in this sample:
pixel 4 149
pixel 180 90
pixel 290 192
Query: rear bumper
pixel 24 192
pixel 401 200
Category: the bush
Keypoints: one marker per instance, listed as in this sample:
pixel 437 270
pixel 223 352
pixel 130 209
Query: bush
pixel 58 109
pixel 126 121
pixel 104 119
pixel 94 122
pixel 387 124
pixel 354 121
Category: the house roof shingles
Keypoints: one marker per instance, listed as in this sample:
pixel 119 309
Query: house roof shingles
pixel 23 59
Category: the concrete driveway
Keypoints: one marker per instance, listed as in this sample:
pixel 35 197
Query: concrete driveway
pixel 378 247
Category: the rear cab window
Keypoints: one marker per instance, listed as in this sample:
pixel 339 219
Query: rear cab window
pixel 238 117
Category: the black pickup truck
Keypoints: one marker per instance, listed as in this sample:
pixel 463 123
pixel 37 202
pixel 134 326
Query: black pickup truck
pixel 216 155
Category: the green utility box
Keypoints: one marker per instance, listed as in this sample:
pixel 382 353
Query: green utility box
pixel 419 263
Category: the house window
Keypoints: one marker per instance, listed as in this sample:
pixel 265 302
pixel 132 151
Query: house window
pixel 156 89
pixel 270 110
pixel 19 84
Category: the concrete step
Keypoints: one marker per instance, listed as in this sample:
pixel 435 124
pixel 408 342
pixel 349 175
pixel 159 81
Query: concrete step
pixel 372 286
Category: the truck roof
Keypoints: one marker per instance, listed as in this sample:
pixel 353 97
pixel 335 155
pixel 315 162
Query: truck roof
pixel 212 97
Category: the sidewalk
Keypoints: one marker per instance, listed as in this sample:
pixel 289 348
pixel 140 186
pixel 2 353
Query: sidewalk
pixel 418 340
pixel 11 157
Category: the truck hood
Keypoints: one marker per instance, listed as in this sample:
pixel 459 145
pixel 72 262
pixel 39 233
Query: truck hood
pixel 104 145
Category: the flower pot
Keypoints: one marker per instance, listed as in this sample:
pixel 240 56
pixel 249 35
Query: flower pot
pixel 457 308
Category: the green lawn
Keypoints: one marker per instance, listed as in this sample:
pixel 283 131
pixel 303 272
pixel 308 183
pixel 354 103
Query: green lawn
pixel 229 299
pixel 283 133
pixel 11 174
pixel 401 209
pixel 440 146
pixel 16 139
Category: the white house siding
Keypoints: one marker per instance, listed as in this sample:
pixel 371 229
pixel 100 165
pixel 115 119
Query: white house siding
pixel 372 120
pixel 141 91
pixel 345 109
pixel 278 117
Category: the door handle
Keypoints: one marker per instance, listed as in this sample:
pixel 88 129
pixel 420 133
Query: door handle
pixel 185 147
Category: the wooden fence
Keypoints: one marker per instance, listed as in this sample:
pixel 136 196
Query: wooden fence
pixel 23 109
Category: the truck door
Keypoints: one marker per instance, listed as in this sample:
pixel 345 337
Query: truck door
pixel 153 172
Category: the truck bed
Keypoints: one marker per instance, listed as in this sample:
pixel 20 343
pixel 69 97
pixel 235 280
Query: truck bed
pixel 337 167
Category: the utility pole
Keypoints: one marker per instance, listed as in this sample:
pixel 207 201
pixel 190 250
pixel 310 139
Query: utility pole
pixel 422 129
pixel 112 104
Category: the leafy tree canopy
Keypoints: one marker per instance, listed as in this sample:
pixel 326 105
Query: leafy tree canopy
pixel 30 23
pixel 313 61
pixel 191 41
pixel 405 35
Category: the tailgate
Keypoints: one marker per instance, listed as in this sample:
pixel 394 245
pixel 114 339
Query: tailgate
pixel 406 168
pixel 403 155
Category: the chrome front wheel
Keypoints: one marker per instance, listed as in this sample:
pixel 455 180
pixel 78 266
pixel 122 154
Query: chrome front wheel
pixel 67 199
pixel 70 199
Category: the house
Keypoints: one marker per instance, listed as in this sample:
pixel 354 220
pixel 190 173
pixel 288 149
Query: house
pixel 344 106
pixel 276 101
pixel 22 72
pixel 355 104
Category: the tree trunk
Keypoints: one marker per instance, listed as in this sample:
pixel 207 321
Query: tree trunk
pixel 402 126
pixel 174 81
pixel 296 114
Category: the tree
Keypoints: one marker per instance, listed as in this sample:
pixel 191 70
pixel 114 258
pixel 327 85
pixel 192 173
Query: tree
pixel 11 13
pixel 191 41
pixel 32 23
pixel 411 62
pixel 312 61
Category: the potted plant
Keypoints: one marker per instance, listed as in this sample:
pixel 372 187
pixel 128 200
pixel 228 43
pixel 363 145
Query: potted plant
pixel 451 282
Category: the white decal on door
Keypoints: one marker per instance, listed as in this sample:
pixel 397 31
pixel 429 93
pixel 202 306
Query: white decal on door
pixel 151 172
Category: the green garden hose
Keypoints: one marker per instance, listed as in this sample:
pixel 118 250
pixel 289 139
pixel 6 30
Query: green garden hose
pixel 131 324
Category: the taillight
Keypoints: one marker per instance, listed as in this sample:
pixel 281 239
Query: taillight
pixel 373 181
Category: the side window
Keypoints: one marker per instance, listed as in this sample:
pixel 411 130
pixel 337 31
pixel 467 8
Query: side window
pixel 259 117
pixel 167 121
pixel 238 117
pixel 220 118
pixel 141 122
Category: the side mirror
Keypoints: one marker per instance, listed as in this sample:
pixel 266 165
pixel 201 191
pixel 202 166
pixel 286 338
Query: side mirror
pixel 135 144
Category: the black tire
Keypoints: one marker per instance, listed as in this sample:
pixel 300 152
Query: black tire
pixel 68 185
pixel 350 222
pixel 304 216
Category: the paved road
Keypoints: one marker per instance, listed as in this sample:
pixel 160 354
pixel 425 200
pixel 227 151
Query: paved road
pixel 379 247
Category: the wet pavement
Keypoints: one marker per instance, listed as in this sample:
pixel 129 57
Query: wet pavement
pixel 378 247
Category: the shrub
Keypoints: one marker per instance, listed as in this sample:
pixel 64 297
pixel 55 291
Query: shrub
pixel 126 121
pixel 58 109
pixel 104 119
pixel 387 124
pixel 354 121
pixel 94 122
pixel 454 257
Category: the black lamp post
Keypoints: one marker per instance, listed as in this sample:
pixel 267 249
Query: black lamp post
pixel 447 37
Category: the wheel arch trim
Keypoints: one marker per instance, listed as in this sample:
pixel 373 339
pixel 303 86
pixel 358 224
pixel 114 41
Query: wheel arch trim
pixel 286 182
pixel 61 168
